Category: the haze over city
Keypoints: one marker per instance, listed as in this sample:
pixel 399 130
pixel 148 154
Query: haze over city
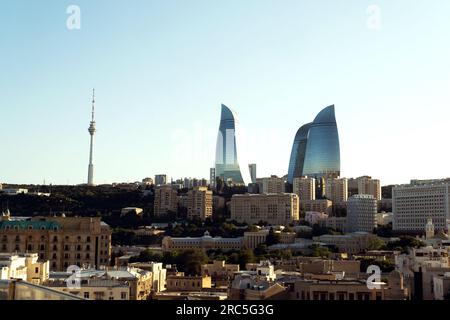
pixel 161 77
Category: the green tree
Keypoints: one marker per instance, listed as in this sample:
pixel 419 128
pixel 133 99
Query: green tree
pixel 319 251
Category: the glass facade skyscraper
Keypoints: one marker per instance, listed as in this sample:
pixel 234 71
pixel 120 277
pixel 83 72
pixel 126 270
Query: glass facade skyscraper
pixel 227 165
pixel 316 151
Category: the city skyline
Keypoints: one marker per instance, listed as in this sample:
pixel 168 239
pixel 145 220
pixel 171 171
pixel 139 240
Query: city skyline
pixel 275 64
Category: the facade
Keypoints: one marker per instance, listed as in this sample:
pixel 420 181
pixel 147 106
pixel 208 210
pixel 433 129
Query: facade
pixel 361 213
pixel 367 185
pixel 350 243
pixel 26 267
pixel 212 177
pixel 166 200
pixel 271 184
pixel 275 209
pixel 336 190
pixel 252 169
pixel 227 164
pixel 62 240
pixel 305 188
pixel 313 217
pixel 158 273
pixel 318 205
pixel 316 150
pixel 160 179
pixel 188 283
pixel 414 204
pixel 442 286
pixel 200 203
pixel 219 270
pixel 205 243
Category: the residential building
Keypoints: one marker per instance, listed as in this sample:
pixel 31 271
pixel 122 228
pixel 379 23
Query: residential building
pixel 361 213
pixel 367 185
pixel 64 241
pixel 275 209
pixel 26 267
pixel 318 205
pixel 336 190
pixel 305 188
pixel 200 203
pixel 166 201
pixel 219 271
pixel 188 283
pixel 271 184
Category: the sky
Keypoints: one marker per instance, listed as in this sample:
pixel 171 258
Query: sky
pixel 162 69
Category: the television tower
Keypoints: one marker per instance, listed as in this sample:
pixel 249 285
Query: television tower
pixel 91 130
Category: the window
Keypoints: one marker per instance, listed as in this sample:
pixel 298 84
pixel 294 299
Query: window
pixel 55 239
pixel 88 239
pixel 123 295
pixel 86 295
pixel 29 247
pixel 55 248
pixel 36 270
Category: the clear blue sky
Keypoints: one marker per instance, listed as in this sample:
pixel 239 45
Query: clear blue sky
pixel 162 68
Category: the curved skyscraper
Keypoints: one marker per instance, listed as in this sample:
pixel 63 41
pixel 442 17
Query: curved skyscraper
pixel 227 164
pixel 298 153
pixel 316 151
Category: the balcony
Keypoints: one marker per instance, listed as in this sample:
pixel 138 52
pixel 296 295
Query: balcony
pixel 21 290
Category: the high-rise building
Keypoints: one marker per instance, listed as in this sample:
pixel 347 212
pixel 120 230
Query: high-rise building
pixel 212 177
pixel 166 200
pixel 92 131
pixel 227 164
pixel 200 203
pixel 367 185
pixel 252 169
pixel 276 209
pixel 361 213
pixel 414 204
pixel 316 150
pixel 64 241
pixel 160 179
pixel 271 184
pixel 305 188
pixel 336 190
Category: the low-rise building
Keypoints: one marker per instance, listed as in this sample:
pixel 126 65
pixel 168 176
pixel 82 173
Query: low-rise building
pixel 176 283
pixel 219 271
pixel 318 205
pixel 26 267
pixel 349 243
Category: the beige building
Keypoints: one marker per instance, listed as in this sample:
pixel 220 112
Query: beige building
pixel 367 185
pixel 200 203
pixel 63 241
pixel 166 201
pixel 305 188
pixel 414 204
pixel 219 270
pixel 158 273
pixel 205 243
pixel 188 283
pixel 336 189
pixel 318 205
pixel 26 267
pixel 350 243
pixel 271 184
pixel 275 209
pixel 442 286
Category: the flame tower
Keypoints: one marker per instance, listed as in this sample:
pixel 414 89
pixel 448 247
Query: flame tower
pixel 91 130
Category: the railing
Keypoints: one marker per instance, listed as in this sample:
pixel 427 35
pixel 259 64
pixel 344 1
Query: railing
pixel 21 290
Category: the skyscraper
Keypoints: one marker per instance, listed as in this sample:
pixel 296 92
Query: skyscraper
pixel 92 131
pixel 316 150
pixel 227 164
pixel 252 168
